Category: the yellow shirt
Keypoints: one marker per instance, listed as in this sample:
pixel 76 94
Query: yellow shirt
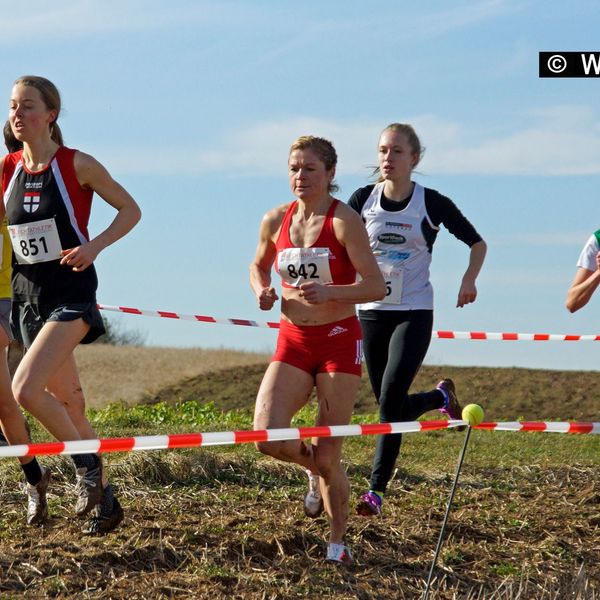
pixel 5 265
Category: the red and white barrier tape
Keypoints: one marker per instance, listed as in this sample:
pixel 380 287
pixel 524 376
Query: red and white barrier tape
pixel 220 438
pixel 443 335
pixel 544 426
pixel 198 318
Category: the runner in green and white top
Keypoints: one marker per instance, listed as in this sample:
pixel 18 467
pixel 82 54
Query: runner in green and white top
pixel 587 277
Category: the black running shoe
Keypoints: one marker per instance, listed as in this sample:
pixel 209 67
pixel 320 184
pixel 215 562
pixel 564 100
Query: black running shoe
pixel 37 505
pixel 101 524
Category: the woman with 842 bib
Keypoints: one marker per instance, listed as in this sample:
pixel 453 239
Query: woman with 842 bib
pixel 318 245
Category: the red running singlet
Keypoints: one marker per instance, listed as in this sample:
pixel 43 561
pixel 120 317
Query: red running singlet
pixel 325 261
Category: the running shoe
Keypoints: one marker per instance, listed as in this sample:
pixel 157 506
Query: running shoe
pixel 451 407
pixel 369 505
pixel 37 504
pixel 89 489
pixel 339 553
pixel 313 502
pixel 100 524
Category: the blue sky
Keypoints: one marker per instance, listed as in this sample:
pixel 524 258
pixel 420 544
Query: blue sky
pixel 193 105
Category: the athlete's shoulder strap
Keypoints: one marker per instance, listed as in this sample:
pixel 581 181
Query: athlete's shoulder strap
pixel 331 210
pixel 283 237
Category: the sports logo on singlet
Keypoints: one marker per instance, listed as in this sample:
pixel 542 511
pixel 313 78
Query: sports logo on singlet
pixel 391 238
pixel 392 224
pixel 31 201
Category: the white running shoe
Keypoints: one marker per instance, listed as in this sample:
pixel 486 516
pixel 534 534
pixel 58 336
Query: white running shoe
pixel 88 483
pixel 313 502
pixel 339 553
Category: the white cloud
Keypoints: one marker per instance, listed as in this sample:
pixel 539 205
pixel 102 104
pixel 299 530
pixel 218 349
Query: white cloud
pixel 559 140
pixel 260 149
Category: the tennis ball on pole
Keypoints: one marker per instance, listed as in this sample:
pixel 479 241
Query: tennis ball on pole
pixel 472 414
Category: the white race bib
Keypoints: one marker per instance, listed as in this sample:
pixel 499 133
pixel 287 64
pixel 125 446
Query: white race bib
pixel 393 276
pixel 301 265
pixel 35 242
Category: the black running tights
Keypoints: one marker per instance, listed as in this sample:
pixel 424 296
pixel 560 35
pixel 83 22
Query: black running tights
pixel 395 344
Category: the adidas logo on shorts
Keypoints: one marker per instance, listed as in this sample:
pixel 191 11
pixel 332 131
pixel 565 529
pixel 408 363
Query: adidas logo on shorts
pixel 337 330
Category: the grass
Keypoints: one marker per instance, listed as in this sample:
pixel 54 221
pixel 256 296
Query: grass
pixel 225 522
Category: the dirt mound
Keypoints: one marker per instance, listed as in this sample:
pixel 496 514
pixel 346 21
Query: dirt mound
pixel 506 394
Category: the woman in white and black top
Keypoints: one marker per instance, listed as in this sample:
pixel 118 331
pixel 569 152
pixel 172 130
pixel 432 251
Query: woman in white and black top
pixel 403 219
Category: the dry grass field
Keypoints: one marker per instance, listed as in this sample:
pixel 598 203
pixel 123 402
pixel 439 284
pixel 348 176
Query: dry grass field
pixel 227 523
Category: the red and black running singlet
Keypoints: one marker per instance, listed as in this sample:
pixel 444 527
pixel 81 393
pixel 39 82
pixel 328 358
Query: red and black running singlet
pixel 47 211
pixel 325 261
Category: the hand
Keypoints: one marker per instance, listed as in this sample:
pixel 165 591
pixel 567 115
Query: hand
pixel 79 258
pixel 267 298
pixel 315 293
pixel 466 294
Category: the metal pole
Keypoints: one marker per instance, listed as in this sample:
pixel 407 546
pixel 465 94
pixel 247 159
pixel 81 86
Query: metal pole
pixel 441 538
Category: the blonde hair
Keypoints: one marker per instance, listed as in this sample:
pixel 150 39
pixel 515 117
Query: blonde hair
pixel 413 141
pixel 51 98
pixel 323 149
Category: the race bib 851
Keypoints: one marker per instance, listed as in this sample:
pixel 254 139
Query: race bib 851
pixel 35 242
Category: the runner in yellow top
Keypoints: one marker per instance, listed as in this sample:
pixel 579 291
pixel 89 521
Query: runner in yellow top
pixel 11 417
pixel 5 265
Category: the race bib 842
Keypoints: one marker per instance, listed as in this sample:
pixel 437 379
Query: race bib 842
pixel 301 265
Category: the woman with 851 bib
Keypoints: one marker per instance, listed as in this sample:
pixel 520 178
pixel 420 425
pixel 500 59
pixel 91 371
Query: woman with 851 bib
pixel 47 192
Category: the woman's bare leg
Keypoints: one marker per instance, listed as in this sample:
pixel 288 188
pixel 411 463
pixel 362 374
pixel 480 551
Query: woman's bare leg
pixel 336 393
pixel 283 392
pixel 52 347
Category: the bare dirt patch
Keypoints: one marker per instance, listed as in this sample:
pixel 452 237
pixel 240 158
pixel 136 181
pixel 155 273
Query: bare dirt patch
pixel 505 394
pixel 232 527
